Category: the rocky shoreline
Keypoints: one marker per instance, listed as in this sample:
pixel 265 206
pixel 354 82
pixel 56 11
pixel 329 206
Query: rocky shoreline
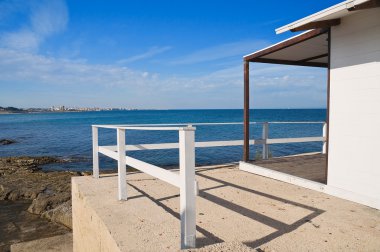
pixel 33 203
pixel 21 178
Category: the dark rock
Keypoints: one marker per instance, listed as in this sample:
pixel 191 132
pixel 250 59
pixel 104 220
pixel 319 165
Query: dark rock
pixel 39 204
pixel 7 141
pixel 86 173
pixel 61 214
pixel 21 178
pixel 45 202
pixel 17 225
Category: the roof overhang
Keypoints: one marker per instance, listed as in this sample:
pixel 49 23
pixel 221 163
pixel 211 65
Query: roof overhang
pixel 330 16
pixel 307 49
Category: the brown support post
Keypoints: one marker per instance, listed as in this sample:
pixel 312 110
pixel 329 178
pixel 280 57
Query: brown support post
pixel 246 111
pixel 328 105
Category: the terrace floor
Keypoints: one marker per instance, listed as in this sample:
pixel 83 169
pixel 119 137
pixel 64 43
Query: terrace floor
pixel 311 167
pixel 236 211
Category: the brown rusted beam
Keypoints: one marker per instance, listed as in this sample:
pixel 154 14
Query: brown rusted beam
pixel 367 5
pixel 246 112
pixel 290 62
pixel 318 25
pixel 285 44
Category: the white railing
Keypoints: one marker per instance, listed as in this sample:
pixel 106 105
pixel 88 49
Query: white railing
pixel 185 181
pixel 264 141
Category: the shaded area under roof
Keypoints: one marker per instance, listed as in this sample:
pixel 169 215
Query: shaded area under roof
pixel 307 49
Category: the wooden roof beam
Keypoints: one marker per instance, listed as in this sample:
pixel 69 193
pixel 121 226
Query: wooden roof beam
pixel 366 5
pixel 318 25
pixel 290 62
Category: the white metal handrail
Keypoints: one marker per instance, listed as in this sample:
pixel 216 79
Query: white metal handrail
pixel 265 141
pixel 185 180
pixel 200 124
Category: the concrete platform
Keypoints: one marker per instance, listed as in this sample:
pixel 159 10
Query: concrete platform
pixel 236 211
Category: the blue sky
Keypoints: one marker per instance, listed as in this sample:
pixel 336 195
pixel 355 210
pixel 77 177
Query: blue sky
pixel 150 54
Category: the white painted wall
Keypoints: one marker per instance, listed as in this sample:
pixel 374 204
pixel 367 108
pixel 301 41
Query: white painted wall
pixel 354 146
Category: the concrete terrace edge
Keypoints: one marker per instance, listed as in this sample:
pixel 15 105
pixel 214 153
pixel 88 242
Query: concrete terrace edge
pixel 90 233
pixel 294 180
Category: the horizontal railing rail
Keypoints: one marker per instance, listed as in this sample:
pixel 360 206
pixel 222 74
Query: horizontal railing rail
pixel 200 124
pixel 265 140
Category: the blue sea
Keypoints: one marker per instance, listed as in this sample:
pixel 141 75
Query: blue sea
pixel 68 135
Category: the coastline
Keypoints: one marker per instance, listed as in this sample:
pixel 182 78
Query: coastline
pixel 33 199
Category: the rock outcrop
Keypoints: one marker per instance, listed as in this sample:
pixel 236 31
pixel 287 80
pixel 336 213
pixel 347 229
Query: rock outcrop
pixel 22 178
pixel 7 141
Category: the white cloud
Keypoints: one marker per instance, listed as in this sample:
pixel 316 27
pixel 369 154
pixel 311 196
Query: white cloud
pixel 49 17
pixel 148 54
pixel 21 40
pixel 46 17
pixel 220 52
pixel 28 67
pixel 277 78
pixel 272 86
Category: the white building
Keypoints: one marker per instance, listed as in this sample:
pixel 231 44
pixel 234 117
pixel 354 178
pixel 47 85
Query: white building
pixel 345 39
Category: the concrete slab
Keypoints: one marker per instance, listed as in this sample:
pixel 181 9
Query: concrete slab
pixel 236 210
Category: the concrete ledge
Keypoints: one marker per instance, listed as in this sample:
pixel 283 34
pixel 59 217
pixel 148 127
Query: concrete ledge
pixel 102 223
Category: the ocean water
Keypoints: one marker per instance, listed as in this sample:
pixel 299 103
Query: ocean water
pixel 68 135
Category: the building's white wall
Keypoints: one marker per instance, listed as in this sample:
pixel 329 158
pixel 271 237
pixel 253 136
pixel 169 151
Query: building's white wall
pixel 354 145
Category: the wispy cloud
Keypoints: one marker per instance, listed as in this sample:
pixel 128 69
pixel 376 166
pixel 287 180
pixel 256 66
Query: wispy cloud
pixel 49 17
pixel 278 78
pixel 46 18
pixel 23 39
pixel 222 51
pixel 25 66
pixel 288 86
pixel 148 54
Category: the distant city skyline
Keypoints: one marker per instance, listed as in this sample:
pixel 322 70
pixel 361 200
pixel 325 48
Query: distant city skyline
pixel 150 54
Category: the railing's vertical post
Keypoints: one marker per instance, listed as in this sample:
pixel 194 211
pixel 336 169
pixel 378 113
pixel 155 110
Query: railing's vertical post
pixel 324 136
pixel 187 187
pixel 265 138
pixel 95 152
pixel 121 165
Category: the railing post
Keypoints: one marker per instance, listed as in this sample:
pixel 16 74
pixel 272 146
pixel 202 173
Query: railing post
pixel 265 138
pixel 325 136
pixel 246 112
pixel 95 152
pixel 187 187
pixel 121 165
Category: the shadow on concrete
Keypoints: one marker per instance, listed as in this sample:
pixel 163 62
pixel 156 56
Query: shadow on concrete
pixel 281 228
pixel 209 237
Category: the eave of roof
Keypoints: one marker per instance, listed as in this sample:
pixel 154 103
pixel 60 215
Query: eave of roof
pixel 279 53
pixel 336 11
